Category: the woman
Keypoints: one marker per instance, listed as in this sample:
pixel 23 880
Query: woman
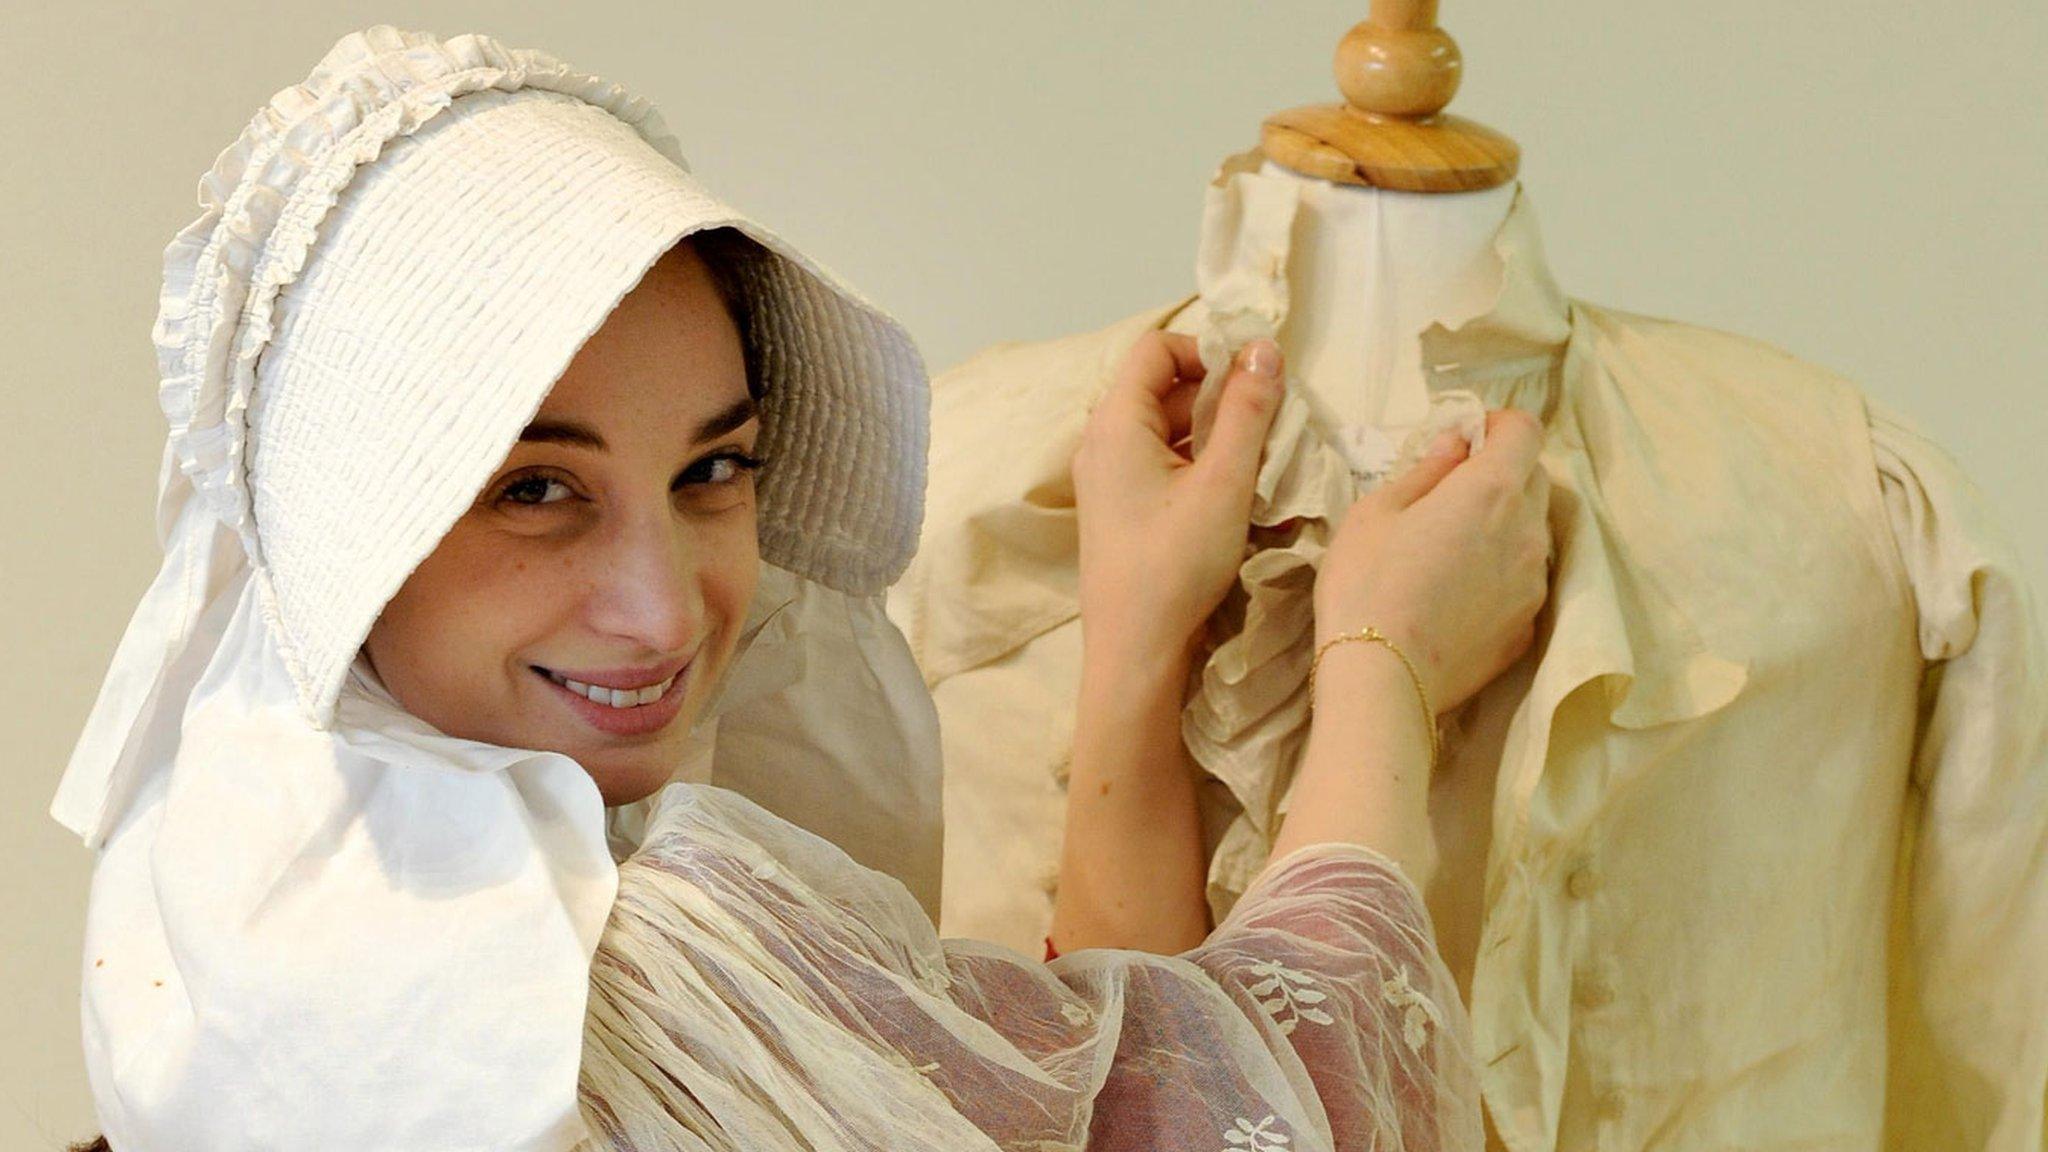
pixel 485 418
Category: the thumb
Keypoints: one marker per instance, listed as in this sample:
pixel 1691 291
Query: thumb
pixel 1244 414
pixel 1446 452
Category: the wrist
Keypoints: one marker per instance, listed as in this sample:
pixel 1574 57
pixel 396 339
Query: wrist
pixel 1140 654
pixel 1406 637
pixel 1357 675
pixel 1128 690
pixel 1333 619
pixel 1367 675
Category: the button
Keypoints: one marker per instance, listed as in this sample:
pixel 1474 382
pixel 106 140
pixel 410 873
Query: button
pixel 1049 878
pixel 1592 992
pixel 1582 881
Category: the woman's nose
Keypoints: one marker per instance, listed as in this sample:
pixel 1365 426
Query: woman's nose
pixel 647 588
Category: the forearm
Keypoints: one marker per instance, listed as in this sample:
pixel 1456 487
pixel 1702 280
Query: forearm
pixel 1364 778
pixel 1132 869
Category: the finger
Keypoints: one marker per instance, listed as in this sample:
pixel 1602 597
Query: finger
pixel 1179 408
pixel 1514 442
pixel 1149 370
pixel 1446 452
pixel 1156 364
pixel 1244 414
pixel 1536 490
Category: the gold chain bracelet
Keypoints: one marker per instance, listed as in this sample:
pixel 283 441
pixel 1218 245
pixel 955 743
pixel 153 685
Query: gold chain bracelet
pixel 1375 636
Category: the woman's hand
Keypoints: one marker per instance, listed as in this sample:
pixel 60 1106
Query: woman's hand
pixel 1449 560
pixel 1162 536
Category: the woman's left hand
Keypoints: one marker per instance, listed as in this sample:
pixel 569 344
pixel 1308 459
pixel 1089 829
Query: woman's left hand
pixel 1163 535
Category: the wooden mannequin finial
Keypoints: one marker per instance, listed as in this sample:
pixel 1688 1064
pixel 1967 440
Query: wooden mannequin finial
pixel 1397 71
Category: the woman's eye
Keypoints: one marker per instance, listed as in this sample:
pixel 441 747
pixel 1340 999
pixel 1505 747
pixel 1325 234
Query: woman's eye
pixel 724 468
pixel 536 487
pixel 713 473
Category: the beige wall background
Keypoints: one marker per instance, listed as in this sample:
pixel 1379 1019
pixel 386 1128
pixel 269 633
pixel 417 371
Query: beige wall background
pixel 1861 183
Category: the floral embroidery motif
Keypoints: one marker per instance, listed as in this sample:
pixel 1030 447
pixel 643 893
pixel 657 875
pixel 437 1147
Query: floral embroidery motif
pixel 1287 996
pixel 1419 1011
pixel 1259 1137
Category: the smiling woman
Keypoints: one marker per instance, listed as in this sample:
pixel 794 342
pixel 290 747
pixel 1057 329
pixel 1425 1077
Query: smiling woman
pixel 592 597
pixel 489 425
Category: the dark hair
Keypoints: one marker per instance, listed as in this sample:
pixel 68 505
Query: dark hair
pixel 737 263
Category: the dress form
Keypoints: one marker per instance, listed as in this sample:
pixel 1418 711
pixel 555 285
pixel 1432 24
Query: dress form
pixel 1387 212
pixel 1666 792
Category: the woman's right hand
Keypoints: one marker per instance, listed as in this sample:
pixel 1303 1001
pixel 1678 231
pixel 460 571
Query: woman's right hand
pixel 1450 560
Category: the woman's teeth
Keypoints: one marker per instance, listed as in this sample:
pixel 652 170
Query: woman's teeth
pixel 615 697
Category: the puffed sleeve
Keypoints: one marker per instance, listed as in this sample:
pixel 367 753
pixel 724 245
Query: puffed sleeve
pixel 755 989
pixel 1969 1051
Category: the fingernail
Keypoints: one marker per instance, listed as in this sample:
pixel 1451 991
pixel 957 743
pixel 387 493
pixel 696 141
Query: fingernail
pixel 1446 444
pixel 1262 358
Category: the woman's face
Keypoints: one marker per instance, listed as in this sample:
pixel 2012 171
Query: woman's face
pixel 615 547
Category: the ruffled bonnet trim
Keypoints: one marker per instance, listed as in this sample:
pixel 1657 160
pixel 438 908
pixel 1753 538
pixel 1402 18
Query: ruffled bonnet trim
pixel 264 200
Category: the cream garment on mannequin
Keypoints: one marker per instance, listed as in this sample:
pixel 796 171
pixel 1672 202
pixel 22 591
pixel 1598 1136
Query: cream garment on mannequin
pixel 1764 861
pixel 1338 275
pixel 1344 277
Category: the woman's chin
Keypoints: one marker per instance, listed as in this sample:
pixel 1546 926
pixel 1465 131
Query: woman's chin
pixel 626 772
pixel 624 785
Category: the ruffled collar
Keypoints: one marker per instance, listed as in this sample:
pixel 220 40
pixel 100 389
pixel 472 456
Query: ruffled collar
pixel 1524 333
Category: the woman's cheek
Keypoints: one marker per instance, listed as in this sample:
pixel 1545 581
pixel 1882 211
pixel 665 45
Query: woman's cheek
pixel 736 568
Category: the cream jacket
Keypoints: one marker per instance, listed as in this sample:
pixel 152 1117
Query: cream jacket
pixel 1765 861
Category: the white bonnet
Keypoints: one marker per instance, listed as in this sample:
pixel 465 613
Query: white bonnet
pixel 396 261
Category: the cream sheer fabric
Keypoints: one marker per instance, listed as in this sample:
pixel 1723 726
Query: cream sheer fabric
pixel 756 989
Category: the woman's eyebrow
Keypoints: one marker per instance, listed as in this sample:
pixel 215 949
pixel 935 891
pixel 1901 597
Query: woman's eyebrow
pixel 564 432
pixel 735 415
pixel 584 436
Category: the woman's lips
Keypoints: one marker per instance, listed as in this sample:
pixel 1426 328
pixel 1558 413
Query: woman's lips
pixel 622 678
pixel 639 720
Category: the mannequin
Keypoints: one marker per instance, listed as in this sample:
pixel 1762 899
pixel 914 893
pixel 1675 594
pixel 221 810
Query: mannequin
pixel 1689 901
pixel 1394 210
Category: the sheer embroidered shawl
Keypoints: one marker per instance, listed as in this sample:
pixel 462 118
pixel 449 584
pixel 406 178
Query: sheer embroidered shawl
pixel 755 989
